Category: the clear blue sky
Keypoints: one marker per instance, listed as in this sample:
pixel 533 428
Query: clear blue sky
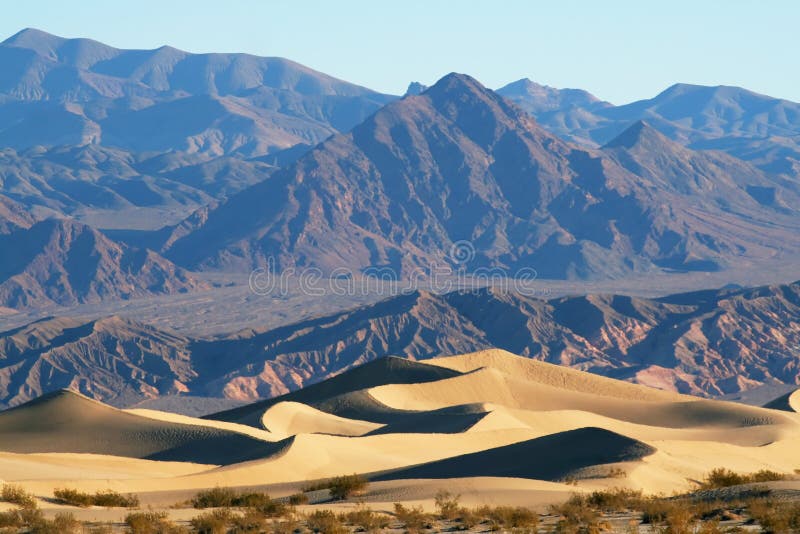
pixel 619 50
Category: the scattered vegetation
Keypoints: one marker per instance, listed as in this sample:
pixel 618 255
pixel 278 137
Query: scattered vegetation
pixel 215 522
pixel 510 517
pixel 298 499
pixel 152 523
pixel 413 518
pixel 17 495
pixel 447 504
pixel 723 478
pixel 325 521
pixel 107 498
pixel 365 519
pixel 228 498
pixel 32 520
pixel 341 487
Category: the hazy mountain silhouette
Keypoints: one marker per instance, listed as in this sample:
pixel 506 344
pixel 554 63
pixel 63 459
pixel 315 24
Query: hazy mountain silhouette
pixel 754 127
pixel 167 99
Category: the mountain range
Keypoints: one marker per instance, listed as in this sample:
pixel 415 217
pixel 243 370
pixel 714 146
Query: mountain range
pixel 167 99
pixel 229 162
pixel 756 128
pixel 458 162
pixel 65 262
pixel 706 343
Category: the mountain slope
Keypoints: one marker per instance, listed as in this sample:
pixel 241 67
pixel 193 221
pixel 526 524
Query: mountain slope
pixel 64 262
pixel 13 216
pixel 567 113
pixel 111 359
pixel 750 126
pixel 82 180
pixel 458 162
pixel 706 343
pixel 88 92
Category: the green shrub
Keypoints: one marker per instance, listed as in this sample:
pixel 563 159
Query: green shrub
pixel 17 495
pixel 325 521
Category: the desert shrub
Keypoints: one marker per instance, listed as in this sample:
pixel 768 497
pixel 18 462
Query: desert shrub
pixel 10 519
pixel 250 521
pixel 722 477
pixel 346 486
pixel 17 495
pixel 413 518
pixel 468 518
pixel 613 499
pixel 228 498
pixel 656 510
pixel 214 498
pixel 341 487
pixel 767 475
pixel 112 499
pixel 679 520
pixel 73 497
pixel 107 498
pixel 776 517
pixel 576 515
pixel 272 508
pixel 325 521
pixel 298 499
pixel 364 518
pixel 62 523
pixel 151 523
pixel 214 522
pixel 31 520
pixel 513 517
pixel 447 504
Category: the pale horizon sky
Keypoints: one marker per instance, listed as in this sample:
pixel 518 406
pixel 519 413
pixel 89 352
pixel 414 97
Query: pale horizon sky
pixel 619 50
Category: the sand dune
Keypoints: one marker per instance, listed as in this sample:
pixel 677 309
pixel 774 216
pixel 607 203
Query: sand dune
pixel 388 370
pixel 552 457
pixel 553 375
pixel 789 402
pixel 289 418
pixel 69 422
pixel 411 427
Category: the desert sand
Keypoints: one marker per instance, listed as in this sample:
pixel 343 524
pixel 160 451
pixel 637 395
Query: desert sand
pixel 492 426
